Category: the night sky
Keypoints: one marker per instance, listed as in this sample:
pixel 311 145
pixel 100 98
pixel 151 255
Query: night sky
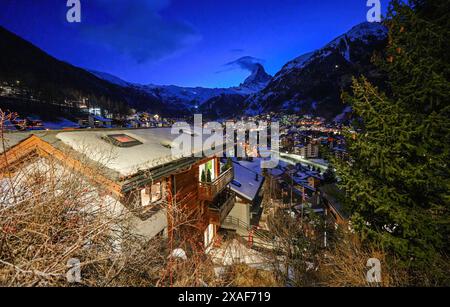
pixel 182 42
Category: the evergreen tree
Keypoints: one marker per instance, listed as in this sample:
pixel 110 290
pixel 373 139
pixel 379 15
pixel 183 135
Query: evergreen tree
pixel 397 178
pixel 227 165
pixel 203 176
pixel 329 176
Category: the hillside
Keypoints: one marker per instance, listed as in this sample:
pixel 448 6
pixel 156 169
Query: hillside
pixel 312 83
pixel 53 81
pixel 309 84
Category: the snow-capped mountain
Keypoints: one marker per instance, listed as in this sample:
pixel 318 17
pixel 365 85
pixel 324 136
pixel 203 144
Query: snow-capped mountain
pixel 192 98
pixel 187 97
pixel 110 78
pixel 312 83
pixel 256 81
pixel 366 33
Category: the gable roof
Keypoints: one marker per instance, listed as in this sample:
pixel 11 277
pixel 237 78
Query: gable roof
pixel 154 150
pixel 127 167
pixel 248 187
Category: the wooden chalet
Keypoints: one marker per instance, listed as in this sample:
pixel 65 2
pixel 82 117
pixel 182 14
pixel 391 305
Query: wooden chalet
pixel 162 192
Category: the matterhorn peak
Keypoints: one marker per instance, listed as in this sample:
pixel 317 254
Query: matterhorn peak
pixel 258 79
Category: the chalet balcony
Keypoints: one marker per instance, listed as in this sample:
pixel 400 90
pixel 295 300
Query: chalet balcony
pixel 220 209
pixel 209 190
pixel 150 210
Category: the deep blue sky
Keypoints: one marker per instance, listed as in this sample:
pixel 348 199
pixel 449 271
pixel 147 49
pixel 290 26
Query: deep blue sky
pixel 182 42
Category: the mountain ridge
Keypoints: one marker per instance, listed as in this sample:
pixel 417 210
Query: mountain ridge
pixel 192 98
pixel 309 84
pixel 312 83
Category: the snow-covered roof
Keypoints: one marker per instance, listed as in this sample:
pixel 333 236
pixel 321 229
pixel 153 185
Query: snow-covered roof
pixel 102 119
pixel 246 178
pixel 320 161
pixel 254 166
pixel 276 172
pixel 154 151
pixel 9 126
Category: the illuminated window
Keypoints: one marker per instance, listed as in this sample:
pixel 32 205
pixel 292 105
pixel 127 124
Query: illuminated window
pixel 123 140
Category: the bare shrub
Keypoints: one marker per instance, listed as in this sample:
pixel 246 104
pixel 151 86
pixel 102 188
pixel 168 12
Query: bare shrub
pixel 344 264
pixel 50 213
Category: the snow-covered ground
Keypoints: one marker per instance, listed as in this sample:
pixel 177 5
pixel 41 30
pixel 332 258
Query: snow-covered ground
pixel 234 252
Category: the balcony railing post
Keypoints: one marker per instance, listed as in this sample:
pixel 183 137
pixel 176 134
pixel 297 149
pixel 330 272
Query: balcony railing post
pixel 209 190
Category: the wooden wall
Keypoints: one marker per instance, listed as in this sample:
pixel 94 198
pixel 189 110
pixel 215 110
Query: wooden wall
pixel 188 207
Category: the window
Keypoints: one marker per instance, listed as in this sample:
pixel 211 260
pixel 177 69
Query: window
pixel 208 171
pixel 122 140
pixel 152 194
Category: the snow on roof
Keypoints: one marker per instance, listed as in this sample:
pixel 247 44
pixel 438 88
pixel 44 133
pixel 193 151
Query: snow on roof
pixel 276 172
pixel 102 119
pixel 254 165
pixel 59 124
pixel 300 177
pixel 320 161
pixel 249 187
pixel 154 151
pixel 9 126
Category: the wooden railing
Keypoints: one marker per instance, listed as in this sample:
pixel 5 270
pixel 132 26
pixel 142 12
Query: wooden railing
pixel 209 190
pixel 233 221
pixel 223 205
pixel 255 238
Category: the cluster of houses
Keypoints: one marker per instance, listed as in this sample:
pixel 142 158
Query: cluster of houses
pixel 146 120
pixel 305 140
pixel 303 135
pixel 145 178
pixel 14 89
pixel 92 118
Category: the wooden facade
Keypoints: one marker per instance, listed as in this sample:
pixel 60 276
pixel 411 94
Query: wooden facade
pixel 35 146
pixel 199 204
pixel 191 205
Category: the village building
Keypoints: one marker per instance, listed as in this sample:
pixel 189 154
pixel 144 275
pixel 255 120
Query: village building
pixel 97 121
pixel 137 169
pixel 307 151
pixel 247 187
